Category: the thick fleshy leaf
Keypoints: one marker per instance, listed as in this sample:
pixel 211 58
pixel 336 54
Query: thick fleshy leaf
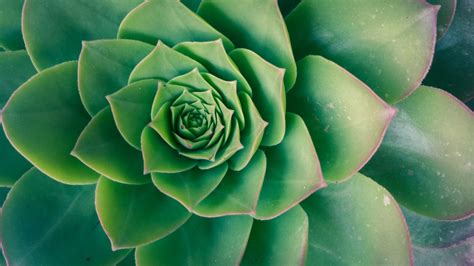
pixel 136 215
pixel 12 164
pixel 214 57
pixel 192 4
pixel 251 135
pixel 201 241
pixel 293 171
pixel 280 241
pixel 158 156
pixel 356 222
pixel 445 15
pixel 10 24
pixel 101 147
pixel 190 187
pixel 266 81
pixel 104 67
pixel 238 192
pixel 258 26
pixel 129 260
pixel 15 68
pixel 163 63
pixel 346 120
pixel 438 242
pixel 426 158
pixel 131 107
pixel 141 24
pixel 453 63
pixel 66 232
pixel 286 6
pixel 53 31
pixel 387 44
pixel 43 119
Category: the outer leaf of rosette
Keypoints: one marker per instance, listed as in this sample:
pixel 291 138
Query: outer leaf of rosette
pixel 426 157
pixel 15 68
pixel 101 147
pixel 293 171
pixel 163 63
pixel 53 31
pixel 104 68
pixel 269 93
pixel 346 120
pixel 131 107
pixel 10 25
pixel 217 241
pixel 136 215
pixel 48 223
pixel 280 241
pixel 238 192
pixel 387 44
pixel 359 222
pixel 258 26
pixel 158 156
pixel 214 57
pixel 141 24
pixel 445 15
pixel 43 120
pixel 190 187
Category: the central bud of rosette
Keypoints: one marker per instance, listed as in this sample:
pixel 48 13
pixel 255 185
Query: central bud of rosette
pixel 200 116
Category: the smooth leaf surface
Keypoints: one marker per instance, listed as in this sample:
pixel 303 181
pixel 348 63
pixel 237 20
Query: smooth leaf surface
pixel 293 171
pixel 438 242
pixel 67 24
pixel 190 187
pixel 140 24
pixel 15 68
pixel 12 164
pixel 101 147
pixel 43 120
pixel 258 26
pixel 346 120
pixel 386 44
pixel 268 88
pixel 453 63
pixel 280 241
pixel 48 223
pixel 104 68
pixel 356 222
pixel 238 192
pixel 10 24
pixel 136 215
pixel 201 241
pixel 445 15
pixel 426 158
pixel 131 107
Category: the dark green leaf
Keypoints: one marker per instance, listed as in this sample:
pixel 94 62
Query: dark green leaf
pixel 445 15
pixel 10 25
pixel 12 164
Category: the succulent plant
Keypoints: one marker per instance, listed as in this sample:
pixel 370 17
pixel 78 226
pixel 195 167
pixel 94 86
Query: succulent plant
pixel 222 132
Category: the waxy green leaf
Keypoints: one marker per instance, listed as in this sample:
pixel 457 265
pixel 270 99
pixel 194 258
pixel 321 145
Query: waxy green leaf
pixel 281 241
pixel 104 68
pixel 101 147
pixel 293 171
pixel 131 107
pixel 12 164
pixel 426 158
pixel 266 81
pixel 136 215
pixel 217 241
pixel 163 63
pixel 356 222
pixel 345 132
pixel 53 30
pixel 238 192
pixel 190 187
pixel 258 26
pixel 386 44
pixel 10 25
pixel 141 24
pixel 445 15
pixel 43 120
pixel 48 223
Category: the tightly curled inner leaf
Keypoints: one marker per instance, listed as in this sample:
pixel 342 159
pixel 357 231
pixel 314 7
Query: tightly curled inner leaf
pixel 178 111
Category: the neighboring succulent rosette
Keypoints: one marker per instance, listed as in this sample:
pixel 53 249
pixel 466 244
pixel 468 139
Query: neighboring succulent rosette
pixel 194 137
